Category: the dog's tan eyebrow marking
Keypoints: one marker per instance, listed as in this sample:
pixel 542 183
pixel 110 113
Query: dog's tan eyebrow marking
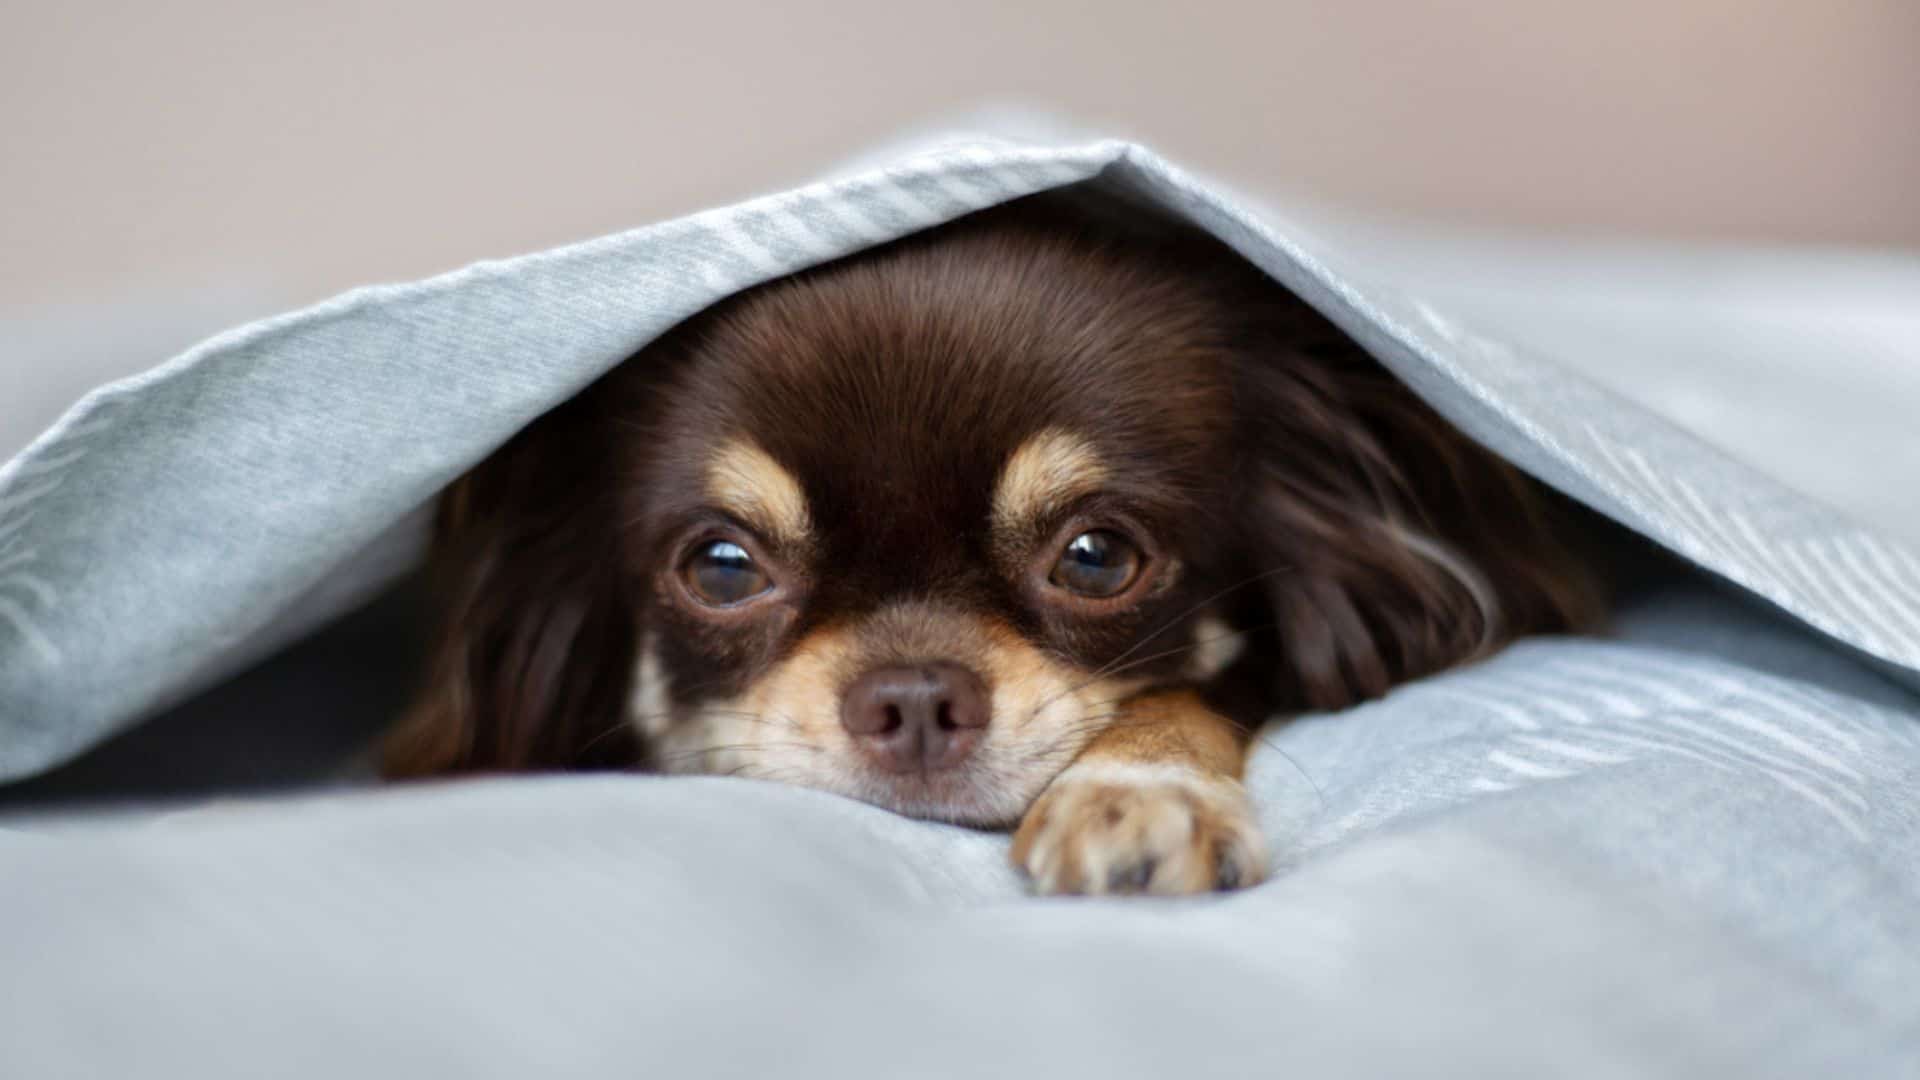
pixel 745 481
pixel 1051 467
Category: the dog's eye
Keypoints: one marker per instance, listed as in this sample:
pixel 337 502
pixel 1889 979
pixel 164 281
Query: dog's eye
pixel 1097 564
pixel 721 573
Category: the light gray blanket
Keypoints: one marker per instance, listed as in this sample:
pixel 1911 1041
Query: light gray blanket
pixel 1690 850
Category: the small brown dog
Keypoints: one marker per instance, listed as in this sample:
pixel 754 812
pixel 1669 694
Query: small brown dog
pixel 1030 518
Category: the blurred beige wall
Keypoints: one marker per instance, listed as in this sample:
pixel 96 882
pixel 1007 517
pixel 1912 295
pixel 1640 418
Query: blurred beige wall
pixel 164 146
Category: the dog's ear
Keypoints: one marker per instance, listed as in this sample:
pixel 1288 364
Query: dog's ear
pixel 1395 546
pixel 531 663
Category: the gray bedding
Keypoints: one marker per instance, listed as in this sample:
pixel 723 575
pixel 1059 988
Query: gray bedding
pixel 1690 849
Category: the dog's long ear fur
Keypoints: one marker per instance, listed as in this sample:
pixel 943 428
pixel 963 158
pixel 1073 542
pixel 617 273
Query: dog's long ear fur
pixel 531 663
pixel 1398 547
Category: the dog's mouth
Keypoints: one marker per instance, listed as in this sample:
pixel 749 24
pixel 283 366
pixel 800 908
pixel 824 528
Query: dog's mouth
pixel 966 795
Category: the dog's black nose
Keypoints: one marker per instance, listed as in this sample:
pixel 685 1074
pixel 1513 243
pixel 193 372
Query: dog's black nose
pixel 916 719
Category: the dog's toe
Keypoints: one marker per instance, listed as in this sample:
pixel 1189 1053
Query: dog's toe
pixel 1159 830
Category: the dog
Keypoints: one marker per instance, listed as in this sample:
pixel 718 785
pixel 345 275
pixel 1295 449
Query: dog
pixel 1026 521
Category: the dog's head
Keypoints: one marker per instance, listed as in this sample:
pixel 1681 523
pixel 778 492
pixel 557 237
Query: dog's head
pixel 913 526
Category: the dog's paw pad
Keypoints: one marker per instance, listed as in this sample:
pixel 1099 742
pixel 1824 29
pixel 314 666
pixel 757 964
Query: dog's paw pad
pixel 1104 829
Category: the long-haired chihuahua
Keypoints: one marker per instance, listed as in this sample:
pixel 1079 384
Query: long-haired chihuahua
pixel 1025 521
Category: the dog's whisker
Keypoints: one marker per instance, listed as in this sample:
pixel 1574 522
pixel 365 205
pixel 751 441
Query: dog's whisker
pixel 1071 740
pixel 1106 670
pixel 740 746
pixel 775 720
pixel 1141 661
pixel 625 723
pixel 1193 647
pixel 1320 797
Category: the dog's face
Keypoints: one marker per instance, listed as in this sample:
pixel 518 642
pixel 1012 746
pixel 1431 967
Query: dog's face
pixel 914 526
pixel 911 529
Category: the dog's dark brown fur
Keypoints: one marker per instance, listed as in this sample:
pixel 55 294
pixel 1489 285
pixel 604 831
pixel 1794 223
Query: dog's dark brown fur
pixel 1280 479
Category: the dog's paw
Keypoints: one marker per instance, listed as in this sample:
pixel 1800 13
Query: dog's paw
pixel 1163 829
